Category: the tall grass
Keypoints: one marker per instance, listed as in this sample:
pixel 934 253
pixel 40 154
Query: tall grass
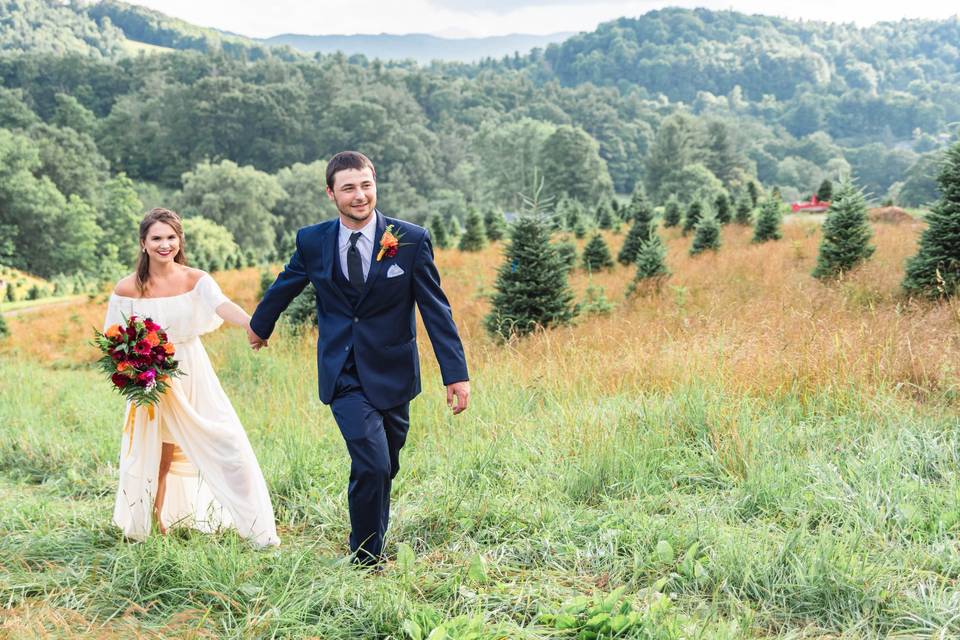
pixel 793 445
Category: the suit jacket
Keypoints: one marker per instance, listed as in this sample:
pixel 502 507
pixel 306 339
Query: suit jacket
pixel 381 326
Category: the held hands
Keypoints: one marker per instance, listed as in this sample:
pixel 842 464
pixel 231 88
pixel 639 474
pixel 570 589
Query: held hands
pixel 256 342
pixel 460 391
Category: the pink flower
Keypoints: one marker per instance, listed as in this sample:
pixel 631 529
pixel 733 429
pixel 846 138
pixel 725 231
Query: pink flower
pixel 147 376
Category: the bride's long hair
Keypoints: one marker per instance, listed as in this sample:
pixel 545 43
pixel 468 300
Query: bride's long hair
pixel 143 261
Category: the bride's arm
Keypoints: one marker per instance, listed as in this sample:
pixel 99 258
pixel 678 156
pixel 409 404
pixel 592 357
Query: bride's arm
pixel 233 313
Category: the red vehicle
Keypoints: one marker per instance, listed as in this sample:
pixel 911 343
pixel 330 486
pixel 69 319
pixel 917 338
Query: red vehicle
pixel 811 206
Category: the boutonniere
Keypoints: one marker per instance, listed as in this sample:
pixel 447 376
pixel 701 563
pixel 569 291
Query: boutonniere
pixel 389 243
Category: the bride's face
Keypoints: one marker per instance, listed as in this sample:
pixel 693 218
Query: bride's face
pixel 162 243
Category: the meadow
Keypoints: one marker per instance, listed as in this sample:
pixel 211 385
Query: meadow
pixel 748 453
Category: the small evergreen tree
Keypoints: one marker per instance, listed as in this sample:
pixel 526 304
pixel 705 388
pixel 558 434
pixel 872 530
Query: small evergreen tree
pixel 825 192
pixel 651 264
pixel 596 302
pixel 723 208
pixel 637 199
pixel 846 233
pixel 302 311
pixel 616 210
pixel 266 281
pixel 532 289
pixel 455 229
pixel 11 293
pixel 744 213
pixel 438 232
pixel 4 329
pixel 495 224
pixel 767 226
pixel 474 237
pixel 754 194
pixel 567 251
pixel 671 212
pixel 580 229
pixel 694 213
pixel 596 255
pixel 935 269
pixel 604 215
pixel 707 235
pixel 639 232
pixel 33 293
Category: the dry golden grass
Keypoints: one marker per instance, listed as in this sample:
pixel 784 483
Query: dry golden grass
pixel 750 318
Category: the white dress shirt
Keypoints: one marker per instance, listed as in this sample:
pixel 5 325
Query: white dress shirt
pixel 364 245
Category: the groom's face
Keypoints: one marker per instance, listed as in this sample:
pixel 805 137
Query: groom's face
pixel 355 194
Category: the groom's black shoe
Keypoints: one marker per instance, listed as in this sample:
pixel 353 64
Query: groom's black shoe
pixel 365 560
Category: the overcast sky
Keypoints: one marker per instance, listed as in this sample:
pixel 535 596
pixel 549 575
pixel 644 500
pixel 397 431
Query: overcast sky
pixel 462 18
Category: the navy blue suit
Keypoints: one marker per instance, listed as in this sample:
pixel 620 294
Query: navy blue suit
pixel 367 359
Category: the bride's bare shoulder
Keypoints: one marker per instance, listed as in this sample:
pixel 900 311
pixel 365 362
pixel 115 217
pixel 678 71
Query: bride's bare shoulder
pixel 194 275
pixel 127 287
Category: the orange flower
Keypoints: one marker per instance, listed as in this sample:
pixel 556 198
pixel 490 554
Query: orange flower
pixel 168 349
pixel 123 366
pixel 163 378
pixel 152 339
pixel 113 331
pixel 388 244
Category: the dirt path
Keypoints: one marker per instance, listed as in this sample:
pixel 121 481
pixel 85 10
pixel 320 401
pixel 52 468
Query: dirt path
pixel 47 305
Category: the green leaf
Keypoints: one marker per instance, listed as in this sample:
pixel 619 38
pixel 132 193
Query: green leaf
pixel 689 558
pixel 405 557
pixel 412 629
pixel 440 633
pixel 598 621
pixel 664 552
pixel 478 569
pixel 565 621
pixel 619 623
pixel 612 599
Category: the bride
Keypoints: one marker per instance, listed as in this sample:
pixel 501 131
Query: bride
pixel 188 462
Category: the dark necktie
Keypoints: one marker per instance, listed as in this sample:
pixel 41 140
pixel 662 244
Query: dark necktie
pixel 354 262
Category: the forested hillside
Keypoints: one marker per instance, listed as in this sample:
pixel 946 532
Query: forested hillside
pixel 685 103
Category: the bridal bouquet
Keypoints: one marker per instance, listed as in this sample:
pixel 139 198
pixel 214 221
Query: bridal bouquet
pixel 138 358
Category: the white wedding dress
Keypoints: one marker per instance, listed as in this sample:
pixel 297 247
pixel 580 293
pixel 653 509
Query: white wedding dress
pixel 215 481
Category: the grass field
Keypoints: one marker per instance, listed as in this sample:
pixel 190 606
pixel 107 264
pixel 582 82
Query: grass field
pixel 749 453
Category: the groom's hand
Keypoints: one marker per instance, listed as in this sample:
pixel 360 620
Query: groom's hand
pixel 256 342
pixel 460 391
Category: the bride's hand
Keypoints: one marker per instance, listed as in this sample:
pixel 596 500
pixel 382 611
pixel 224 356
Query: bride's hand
pixel 256 342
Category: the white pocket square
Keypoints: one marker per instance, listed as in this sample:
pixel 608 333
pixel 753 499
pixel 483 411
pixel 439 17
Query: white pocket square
pixel 394 271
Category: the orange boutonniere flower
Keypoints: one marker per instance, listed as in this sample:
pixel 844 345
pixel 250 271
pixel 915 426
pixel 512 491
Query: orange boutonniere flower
pixel 168 348
pixel 389 243
pixel 113 331
pixel 153 339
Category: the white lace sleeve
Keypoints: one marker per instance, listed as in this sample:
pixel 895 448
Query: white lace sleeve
pixel 210 292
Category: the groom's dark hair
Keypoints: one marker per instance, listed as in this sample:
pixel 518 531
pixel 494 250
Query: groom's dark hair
pixel 348 160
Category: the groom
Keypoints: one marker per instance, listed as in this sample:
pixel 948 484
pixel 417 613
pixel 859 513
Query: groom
pixel 368 271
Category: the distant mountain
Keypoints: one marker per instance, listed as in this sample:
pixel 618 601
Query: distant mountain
pixel 420 47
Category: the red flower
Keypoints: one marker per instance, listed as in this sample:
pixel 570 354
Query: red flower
pixel 131 332
pixel 147 376
pixel 119 380
pixel 143 348
pixel 150 325
pixel 116 355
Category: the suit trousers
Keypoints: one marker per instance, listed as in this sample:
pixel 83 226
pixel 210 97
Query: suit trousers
pixel 374 438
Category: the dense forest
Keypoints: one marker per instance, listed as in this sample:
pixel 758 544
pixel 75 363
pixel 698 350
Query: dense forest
pixel 109 108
